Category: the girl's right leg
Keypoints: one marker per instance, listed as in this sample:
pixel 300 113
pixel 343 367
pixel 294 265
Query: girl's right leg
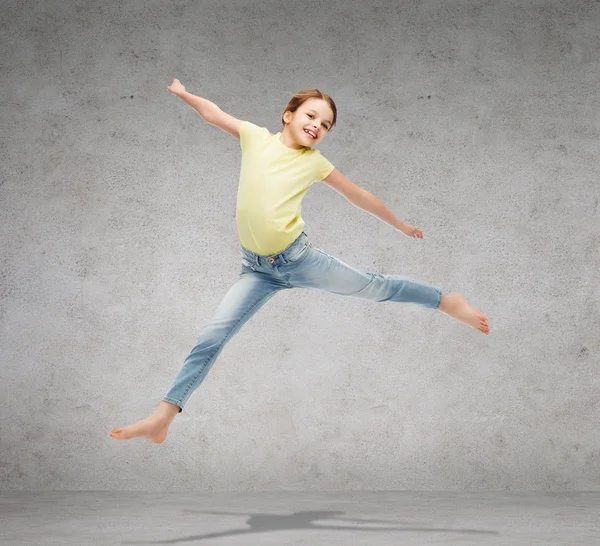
pixel 241 302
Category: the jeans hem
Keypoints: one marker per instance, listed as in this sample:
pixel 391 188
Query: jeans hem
pixel 439 299
pixel 175 402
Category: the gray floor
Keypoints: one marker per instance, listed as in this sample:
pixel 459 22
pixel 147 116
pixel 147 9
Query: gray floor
pixel 281 518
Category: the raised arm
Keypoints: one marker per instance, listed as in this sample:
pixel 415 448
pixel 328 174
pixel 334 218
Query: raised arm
pixel 224 121
pixel 211 113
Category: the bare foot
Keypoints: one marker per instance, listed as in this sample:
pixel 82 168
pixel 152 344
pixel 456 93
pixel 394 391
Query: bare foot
pixel 152 428
pixel 456 306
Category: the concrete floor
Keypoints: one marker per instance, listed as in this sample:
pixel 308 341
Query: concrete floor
pixel 303 518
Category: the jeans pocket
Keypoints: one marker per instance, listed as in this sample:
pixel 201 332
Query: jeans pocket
pixel 299 255
pixel 247 263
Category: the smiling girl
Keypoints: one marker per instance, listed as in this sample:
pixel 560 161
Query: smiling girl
pixel 276 172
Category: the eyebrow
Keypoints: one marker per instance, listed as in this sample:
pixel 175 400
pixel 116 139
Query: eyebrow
pixel 311 110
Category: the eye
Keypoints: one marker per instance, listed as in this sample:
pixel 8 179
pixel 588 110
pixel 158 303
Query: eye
pixel 311 116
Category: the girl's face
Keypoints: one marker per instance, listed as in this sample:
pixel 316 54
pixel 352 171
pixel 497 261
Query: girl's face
pixel 314 116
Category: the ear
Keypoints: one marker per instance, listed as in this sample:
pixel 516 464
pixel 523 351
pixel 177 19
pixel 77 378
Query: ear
pixel 287 116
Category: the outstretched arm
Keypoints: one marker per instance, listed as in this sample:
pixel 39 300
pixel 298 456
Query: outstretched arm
pixel 207 109
pixel 204 107
pixel 365 200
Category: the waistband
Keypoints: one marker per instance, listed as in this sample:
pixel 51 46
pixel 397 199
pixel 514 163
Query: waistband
pixel 282 256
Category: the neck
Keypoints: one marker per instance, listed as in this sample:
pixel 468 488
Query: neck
pixel 288 141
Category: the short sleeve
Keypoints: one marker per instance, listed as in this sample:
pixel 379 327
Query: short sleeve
pixel 323 167
pixel 250 132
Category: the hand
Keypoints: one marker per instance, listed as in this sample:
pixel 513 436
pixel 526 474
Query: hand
pixel 411 231
pixel 176 87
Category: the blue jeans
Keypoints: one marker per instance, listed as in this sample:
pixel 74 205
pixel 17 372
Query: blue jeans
pixel 261 277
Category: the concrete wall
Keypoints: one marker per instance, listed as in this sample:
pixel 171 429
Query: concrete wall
pixel 476 121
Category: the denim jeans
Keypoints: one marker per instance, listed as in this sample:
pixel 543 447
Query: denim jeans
pixel 261 277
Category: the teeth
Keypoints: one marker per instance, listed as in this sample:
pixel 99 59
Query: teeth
pixel 311 134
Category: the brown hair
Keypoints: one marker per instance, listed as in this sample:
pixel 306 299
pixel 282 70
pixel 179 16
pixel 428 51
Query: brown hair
pixel 302 96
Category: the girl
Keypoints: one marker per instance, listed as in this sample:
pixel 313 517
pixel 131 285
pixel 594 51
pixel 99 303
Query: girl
pixel 276 172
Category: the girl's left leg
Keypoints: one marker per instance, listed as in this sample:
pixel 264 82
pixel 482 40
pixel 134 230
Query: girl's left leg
pixel 313 268
pixel 321 271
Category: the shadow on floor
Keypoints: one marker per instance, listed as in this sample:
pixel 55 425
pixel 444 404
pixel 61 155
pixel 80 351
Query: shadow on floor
pixel 264 523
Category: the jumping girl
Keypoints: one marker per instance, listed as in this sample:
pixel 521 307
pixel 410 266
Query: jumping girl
pixel 276 172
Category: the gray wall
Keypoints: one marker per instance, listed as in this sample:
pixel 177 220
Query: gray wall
pixel 475 121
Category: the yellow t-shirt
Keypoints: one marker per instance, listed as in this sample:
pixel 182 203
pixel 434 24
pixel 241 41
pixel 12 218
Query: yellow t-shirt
pixel 273 181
